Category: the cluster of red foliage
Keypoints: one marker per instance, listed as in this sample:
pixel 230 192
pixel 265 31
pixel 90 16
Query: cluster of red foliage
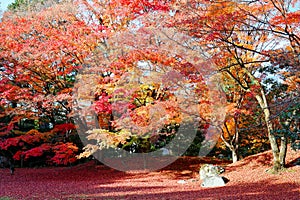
pixel 64 153
pixel 35 145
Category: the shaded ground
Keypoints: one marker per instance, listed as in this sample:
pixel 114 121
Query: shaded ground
pixel 248 180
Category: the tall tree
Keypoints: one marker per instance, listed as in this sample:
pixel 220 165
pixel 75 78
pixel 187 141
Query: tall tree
pixel 148 76
pixel 41 53
pixel 231 127
pixel 243 37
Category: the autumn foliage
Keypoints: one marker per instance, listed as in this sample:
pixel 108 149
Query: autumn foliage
pixel 48 147
pixel 110 72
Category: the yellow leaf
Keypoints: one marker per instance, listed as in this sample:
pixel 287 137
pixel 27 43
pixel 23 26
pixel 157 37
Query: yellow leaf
pixel 289 48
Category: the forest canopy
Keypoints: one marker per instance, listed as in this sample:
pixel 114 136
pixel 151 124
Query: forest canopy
pixel 78 77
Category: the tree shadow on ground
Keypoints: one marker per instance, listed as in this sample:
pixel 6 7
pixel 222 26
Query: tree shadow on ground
pixel 263 159
pixel 83 172
pixel 257 190
pixel 294 162
pixel 90 181
pixel 187 167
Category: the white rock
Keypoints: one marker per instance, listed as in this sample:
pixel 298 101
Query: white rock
pixel 213 181
pixel 181 182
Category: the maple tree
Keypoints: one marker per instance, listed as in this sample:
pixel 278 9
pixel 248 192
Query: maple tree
pixel 231 128
pixel 244 37
pixel 125 70
pixel 241 131
pixel 140 77
pixel 39 61
pixel 47 147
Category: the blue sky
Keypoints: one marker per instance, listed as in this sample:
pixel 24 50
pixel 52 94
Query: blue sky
pixel 5 3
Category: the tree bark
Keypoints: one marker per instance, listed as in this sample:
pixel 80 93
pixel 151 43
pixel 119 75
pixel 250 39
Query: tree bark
pixel 234 155
pixel 233 148
pixel 283 140
pixel 283 149
pixel 263 103
pixel 274 146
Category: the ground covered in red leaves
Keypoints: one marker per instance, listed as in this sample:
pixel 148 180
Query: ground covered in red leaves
pixel 247 180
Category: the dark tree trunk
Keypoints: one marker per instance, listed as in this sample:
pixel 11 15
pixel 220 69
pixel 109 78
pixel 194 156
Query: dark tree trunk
pixel 283 149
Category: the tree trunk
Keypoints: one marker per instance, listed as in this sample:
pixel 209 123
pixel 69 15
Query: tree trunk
pixel 283 140
pixel 234 155
pixel 233 147
pixel 282 153
pixel 274 146
pixel 22 161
